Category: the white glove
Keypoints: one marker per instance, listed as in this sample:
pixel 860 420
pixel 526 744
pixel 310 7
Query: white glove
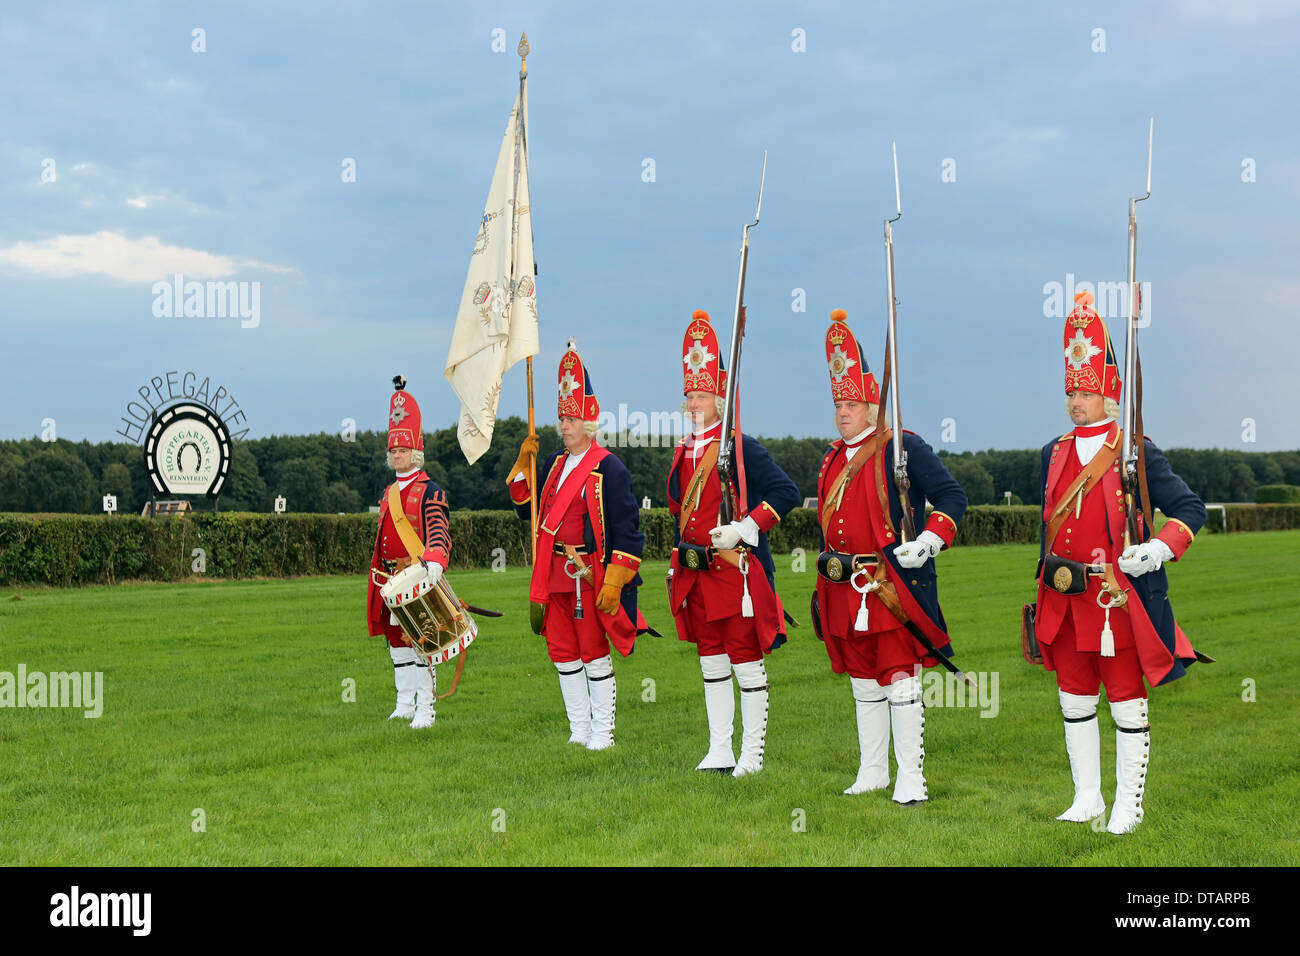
pixel 916 553
pixel 1138 559
pixel 749 531
pixel 434 570
pixel 727 536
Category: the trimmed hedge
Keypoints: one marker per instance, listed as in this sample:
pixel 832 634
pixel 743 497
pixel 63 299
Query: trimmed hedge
pixel 1277 494
pixel 85 549
pixel 1258 518
pixel 63 550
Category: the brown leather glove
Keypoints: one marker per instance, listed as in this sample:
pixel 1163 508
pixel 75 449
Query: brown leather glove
pixel 527 450
pixel 616 576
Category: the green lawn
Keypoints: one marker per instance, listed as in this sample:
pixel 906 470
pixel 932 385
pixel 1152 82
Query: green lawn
pixel 228 697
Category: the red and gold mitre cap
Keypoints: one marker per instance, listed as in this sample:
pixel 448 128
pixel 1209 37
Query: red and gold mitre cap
pixel 851 378
pixel 577 399
pixel 702 358
pixel 404 418
pixel 1089 357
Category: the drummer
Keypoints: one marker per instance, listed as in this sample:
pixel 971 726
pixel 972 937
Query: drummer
pixel 412 527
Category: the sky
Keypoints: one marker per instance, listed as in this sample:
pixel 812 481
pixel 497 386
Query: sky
pixel 133 148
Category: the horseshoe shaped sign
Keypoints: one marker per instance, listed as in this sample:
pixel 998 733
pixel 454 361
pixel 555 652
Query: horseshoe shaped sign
pixel 187 451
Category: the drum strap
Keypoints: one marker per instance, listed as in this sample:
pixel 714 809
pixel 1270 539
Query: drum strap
pixel 455 680
pixel 414 546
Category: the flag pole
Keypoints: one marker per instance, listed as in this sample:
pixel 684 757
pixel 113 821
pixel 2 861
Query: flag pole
pixel 521 156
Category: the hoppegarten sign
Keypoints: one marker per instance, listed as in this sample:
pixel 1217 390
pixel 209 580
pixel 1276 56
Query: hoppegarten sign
pixel 172 386
pixel 187 451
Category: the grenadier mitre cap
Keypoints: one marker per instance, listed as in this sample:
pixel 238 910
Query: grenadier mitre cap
pixel 577 397
pixel 1090 364
pixel 404 429
pixel 702 369
pixel 851 378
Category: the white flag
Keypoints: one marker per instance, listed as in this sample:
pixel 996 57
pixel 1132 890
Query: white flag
pixel 496 325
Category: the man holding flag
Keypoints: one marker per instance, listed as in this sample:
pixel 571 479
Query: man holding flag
pixel 588 550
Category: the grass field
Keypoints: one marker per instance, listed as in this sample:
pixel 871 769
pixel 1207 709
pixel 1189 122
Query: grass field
pixel 228 697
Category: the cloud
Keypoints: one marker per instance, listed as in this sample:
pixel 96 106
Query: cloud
pixel 133 260
pixel 143 202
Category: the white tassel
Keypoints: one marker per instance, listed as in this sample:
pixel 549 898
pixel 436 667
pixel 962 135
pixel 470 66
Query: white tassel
pixel 746 602
pixel 860 623
pixel 1107 637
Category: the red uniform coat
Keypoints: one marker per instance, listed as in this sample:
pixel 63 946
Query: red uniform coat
pixel 722 587
pixel 858 526
pixel 605 507
pixel 1098 533
pixel 425 505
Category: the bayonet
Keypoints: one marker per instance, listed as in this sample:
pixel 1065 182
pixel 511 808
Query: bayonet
pixel 901 479
pixel 727 458
pixel 1134 459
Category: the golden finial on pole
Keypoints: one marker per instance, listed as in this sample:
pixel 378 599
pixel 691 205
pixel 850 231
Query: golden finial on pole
pixel 522 50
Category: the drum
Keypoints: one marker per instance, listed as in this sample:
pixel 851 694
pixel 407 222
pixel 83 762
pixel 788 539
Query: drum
pixel 433 619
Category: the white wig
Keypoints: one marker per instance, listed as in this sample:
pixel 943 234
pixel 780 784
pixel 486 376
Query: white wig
pixel 417 458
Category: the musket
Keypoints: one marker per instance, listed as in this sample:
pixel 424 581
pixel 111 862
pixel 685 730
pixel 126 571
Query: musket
pixel 1134 474
pixel 901 480
pixel 727 458
pixel 730 410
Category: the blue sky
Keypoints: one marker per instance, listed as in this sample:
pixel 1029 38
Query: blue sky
pixel 230 160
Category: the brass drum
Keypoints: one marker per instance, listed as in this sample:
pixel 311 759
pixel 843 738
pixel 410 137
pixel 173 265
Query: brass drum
pixel 433 619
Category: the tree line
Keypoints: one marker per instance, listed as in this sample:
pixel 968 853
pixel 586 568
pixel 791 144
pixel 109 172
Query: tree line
pixel 329 473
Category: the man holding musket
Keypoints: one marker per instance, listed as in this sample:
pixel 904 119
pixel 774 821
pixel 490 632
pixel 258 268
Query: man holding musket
pixel 1103 613
pixel 412 527
pixel 870 583
pixel 588 550
pixel 721 583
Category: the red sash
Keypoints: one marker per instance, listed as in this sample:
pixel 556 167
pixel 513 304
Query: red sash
pixel 539 587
